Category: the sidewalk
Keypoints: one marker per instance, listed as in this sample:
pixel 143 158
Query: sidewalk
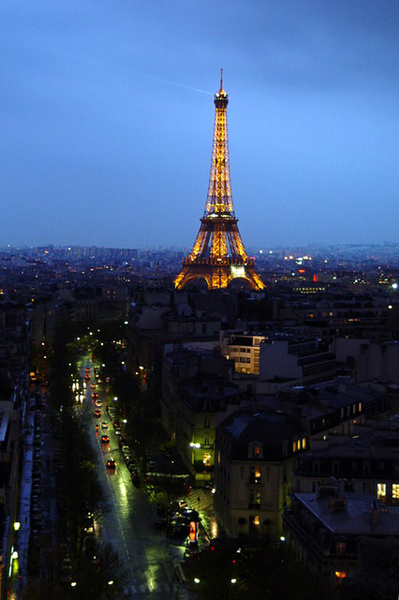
pixel 201 500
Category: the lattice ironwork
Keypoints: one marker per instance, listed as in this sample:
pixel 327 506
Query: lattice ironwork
pixel 218 254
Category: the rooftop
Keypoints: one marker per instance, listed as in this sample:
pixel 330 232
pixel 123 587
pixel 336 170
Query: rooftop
pixel 363 514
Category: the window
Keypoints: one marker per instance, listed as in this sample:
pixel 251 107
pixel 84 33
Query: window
pixel 338 576
pixel 256 520
pixel 395 491
pixel 254 499
pixel 381 491
pixel 294 446
pixel 255 474
pixel 256 450
pixel 206 422
pixel 340 547
pixel 303 443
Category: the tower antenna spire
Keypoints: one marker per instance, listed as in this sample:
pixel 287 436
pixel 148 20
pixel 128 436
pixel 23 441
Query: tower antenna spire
pixel 221 79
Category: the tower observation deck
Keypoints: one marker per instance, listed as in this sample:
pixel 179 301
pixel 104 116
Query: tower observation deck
pixel 218 254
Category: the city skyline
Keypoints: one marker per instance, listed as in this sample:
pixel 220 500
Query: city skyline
pixel 107 119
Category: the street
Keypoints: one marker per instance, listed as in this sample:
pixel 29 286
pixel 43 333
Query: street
pixel 127 521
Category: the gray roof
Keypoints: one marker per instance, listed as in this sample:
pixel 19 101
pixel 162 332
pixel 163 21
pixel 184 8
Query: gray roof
pixel 357 519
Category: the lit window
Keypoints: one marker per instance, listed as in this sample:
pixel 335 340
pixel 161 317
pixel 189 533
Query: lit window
pixel 381 491
pixel 255 474
pixel 256 520
pixel 294 447
pixel 206 459
pixel 303 443
pixel 299 444
pixel 256 451
pixel 395 491
pixel 360 407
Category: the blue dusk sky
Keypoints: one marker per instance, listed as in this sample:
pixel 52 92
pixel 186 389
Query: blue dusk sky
pixel 107 114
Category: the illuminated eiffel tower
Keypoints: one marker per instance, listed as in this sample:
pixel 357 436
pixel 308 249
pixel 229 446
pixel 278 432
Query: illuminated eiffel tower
pixel 218 254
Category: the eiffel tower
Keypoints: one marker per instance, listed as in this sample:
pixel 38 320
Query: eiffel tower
pixel 218 254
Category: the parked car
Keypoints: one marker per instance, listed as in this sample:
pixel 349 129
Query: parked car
pixel 136 479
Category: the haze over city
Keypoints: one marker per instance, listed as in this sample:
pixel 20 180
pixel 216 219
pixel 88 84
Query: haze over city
pixel 106 114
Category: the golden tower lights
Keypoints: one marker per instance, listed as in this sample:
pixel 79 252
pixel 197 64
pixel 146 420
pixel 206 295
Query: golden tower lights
pixel 218 254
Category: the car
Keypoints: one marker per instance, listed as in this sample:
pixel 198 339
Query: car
pixel 99 403
pixel 180 531
pixel 125 449
pixel 95 395
pixel 104 425
pixel 136 478
pixel 105 439
pixel 118 432
pixel 97 413
pixel 111 463
pixel 160 522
